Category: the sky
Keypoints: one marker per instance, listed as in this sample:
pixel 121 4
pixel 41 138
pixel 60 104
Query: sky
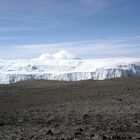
pixel 88 28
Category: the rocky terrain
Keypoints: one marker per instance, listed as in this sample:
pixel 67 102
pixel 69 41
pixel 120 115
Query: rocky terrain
pixel 84 110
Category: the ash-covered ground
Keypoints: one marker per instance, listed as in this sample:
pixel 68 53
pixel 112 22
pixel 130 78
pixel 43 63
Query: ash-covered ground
pixel 86 110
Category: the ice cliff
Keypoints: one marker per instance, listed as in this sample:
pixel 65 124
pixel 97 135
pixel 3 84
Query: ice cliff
pixel 58 68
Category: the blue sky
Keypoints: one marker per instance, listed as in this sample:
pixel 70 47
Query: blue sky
pixel 88 28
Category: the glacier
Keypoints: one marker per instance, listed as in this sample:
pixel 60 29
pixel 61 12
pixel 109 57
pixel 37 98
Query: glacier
pixel 12 71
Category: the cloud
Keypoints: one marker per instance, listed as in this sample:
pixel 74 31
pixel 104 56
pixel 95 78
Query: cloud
pixel 8 38
pixel 101 48
pixel 61 55
pixel 15 29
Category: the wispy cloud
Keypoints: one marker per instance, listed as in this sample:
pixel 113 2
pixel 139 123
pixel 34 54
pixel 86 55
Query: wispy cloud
pixel 8 37
pixel 23 19
pixel 12 29
pixel 24 29
pixel 125 46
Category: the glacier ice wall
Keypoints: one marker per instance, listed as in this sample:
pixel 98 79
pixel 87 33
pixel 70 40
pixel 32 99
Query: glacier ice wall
pixel 68 70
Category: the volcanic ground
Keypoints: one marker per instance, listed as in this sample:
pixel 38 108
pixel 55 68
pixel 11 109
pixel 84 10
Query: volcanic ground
pixel 84 110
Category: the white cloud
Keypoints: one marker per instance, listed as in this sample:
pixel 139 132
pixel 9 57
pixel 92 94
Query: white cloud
pixel 112 47
pixel 61 55
pixel 116 46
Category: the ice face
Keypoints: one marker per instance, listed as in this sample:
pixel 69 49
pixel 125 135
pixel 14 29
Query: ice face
pixel 67 69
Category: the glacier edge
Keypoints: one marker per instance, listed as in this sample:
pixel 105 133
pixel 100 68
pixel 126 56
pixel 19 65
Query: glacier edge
pixel 68 70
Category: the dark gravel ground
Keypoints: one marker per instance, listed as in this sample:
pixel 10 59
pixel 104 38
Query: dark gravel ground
pixel 86 110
